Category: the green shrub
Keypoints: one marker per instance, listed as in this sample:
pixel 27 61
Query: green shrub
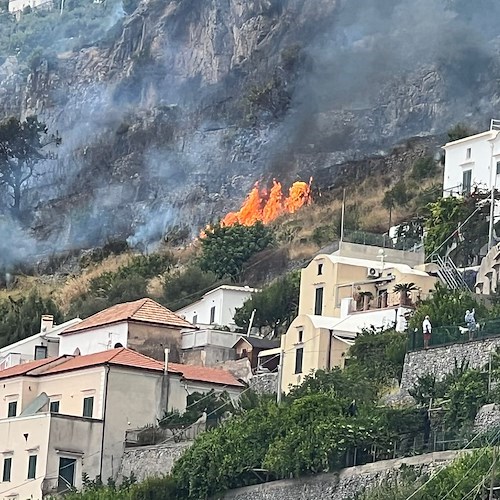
pixel 423 168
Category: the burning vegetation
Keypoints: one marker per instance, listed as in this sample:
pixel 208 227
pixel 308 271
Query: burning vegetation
pixel 266 206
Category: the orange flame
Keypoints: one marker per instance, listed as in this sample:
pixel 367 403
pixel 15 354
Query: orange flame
pixel 261 206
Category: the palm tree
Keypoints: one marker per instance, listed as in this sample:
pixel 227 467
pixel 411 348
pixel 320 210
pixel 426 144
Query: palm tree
pixel 404 289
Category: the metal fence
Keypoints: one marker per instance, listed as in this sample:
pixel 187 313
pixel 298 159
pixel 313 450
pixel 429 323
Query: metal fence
pixel 151 435
pixel 381 240
pixel 454 334
pixel 407 446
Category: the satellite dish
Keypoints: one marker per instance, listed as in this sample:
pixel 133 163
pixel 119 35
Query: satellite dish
pixel 36 405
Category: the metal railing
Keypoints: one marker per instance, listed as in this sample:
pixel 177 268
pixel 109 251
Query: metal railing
pixel 151 435
pixel 381 240
pixel 454 334
pixel 449 273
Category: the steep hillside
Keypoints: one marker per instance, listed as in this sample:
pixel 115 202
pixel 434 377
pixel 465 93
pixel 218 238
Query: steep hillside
pixel 170 116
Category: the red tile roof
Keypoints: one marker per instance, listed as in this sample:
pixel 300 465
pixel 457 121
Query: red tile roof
pixel 143 310
pixel 204 374
pixel 120 357
pixel 117 357
pixel 24 368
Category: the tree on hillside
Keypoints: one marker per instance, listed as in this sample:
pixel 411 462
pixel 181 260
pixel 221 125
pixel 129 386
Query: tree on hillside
pixel 226 250
pixel 20 318
pixel 275 306
pixel 23 145
pixel 184 287
pixel 446 215
pixel 446 307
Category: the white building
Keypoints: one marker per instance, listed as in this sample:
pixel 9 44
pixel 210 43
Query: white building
pixel 472 162
pixel 17 6
pixel 41 345
pixel 217 307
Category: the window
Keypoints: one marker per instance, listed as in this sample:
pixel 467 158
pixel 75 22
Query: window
pixel 212 314
pixel 320 269
pixel 468 154
pixel 54 407
pixel 88 406
pixel 118 344
pixel 301 335
pixel 299 356
pixel 66 479
pixel 467 182
pixel 12 411
pixel 40 352
pixel 7 466
pixel 318 302
pixel 498 167
pixel 195 319
pixel 32 467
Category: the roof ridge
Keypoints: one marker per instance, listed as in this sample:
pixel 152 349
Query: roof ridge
pixel 140 306
pixel 121 349
pixel 139 354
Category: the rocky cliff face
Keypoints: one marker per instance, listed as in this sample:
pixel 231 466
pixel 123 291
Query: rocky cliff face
pixel 185 104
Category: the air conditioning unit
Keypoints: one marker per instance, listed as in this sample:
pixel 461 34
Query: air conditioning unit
pixel 373 273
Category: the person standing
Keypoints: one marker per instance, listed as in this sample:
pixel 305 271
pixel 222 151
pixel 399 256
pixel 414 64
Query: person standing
pixel 470 321
pixel 427 331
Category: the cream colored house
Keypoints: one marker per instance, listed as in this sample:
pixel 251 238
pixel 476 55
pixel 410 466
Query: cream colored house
pixel 61 417
pixel 342 293
pixel 142 325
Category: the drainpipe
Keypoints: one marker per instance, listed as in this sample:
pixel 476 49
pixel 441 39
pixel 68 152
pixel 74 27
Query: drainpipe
pixel 165 375
pixel 330 341
pixel 105 399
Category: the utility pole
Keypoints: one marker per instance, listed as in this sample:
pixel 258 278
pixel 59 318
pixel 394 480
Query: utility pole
pixel 250 323
pixel 280 376
pixel 342 218
pixel 492 480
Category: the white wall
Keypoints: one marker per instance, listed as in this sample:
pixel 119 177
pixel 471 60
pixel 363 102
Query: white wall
pixel 94 339
pixel 200 338
pixel 178 391
pixel 481 154
pixel 225 301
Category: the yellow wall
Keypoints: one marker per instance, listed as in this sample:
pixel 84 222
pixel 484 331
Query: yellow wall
pixel 49 437
pixel 335 274
pixel 315 342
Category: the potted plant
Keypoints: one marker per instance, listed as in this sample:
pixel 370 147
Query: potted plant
pixel 404 289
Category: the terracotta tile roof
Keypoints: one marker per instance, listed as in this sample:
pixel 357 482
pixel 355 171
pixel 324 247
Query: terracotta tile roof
pixel 204 374
pixel 143 310
pixel 25 368
pixel 116 357
pixel 120 357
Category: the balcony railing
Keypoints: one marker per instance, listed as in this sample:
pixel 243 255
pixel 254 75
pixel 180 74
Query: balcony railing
pixel 389 299
pixel 454 334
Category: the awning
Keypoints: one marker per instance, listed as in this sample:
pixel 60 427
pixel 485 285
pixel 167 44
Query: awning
pixel 269 352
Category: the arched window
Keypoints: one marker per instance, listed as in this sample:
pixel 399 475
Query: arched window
pixel 77 352
pixel 118 345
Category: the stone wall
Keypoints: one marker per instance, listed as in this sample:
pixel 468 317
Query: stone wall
pixel 151 461
pixel 441 360
pixel 487 418
pixel 266 383
pixel 339 486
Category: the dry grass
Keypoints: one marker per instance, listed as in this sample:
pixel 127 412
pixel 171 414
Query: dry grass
pixel 77 285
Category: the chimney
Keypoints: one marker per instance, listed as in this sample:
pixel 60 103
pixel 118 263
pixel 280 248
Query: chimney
pixel 47 323
pixel 167 352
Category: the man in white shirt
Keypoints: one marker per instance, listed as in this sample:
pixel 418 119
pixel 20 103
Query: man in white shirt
pixel 427 330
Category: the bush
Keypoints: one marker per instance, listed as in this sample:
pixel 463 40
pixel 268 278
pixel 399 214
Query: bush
pixel 20 318
pixel 226 250
pixel 184 287
pixel 423 168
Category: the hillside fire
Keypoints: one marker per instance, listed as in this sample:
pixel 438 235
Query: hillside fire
pixel 261 205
